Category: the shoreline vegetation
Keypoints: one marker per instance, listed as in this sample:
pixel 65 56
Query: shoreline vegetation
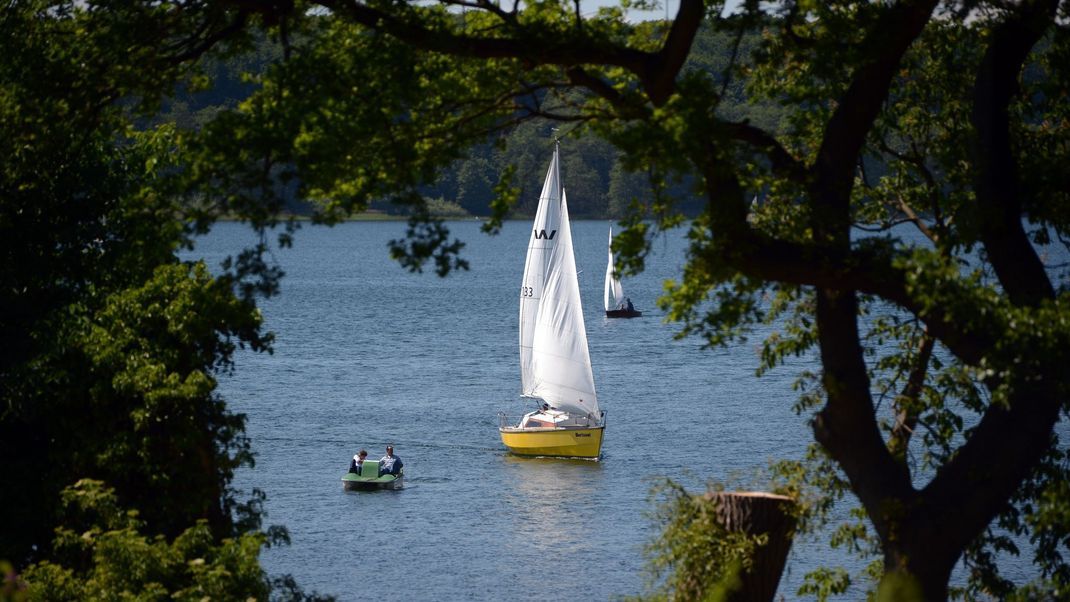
pixel 382 216
pixel 375 216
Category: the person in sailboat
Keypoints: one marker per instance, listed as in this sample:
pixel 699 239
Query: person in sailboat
pixel 357 463
pixel 628 302
pixel 390 464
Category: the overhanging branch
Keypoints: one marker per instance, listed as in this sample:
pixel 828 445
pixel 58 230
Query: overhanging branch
pixel 525 43
pixel 1015 261
pixel 656 71
pixel 856 110
pixel 659 76
pixel 782 162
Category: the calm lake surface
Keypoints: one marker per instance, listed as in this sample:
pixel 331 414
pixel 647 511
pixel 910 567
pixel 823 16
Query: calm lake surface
pixel 368 354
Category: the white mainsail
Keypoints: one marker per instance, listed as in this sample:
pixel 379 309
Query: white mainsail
pixel 562 362
pixel 540 243
pixel 614 296
pixel 555 364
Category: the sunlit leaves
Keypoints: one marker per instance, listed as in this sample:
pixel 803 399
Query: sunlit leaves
pixel 111 345
pixel 918 168
pixel 694 556
pixel 353 116
pixel 102 551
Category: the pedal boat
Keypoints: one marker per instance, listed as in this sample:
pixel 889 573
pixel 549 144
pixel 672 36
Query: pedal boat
pixel 369 478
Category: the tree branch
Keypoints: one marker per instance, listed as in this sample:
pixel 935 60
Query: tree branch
pixel 530 45
pixel 935 235
pixel 999 454
pixel 656 71
pixel 659 77
pixel 906 415
pixel 847 427
pixel 197 47
pixel 999 206
pixel 870 269
pixel 855 112
pixel 580 77
pixel 782 162
pixel 1012 436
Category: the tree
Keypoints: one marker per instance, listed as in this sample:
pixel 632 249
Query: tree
pixel 625 188
pixel 111 343
pixel 100 550
pixel 475 184
pixel 962 106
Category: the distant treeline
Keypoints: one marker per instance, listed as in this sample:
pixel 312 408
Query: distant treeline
pixel 598 185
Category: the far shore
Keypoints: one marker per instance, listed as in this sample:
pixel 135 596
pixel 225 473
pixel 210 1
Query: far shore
pixel 375 216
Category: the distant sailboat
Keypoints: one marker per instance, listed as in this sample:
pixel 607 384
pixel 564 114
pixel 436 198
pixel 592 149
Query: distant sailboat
pixel 555 364
pixel 616 304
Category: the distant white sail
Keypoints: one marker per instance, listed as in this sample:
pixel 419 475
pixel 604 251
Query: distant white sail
pixel 614 296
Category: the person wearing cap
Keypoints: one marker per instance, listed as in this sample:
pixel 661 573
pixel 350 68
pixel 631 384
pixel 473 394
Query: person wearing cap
pixel 357 463
pixel 390 464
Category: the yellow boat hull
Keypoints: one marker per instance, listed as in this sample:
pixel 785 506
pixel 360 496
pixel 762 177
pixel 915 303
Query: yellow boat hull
pixel 554 442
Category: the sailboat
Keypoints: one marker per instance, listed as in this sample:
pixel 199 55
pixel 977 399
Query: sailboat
pixel 555 364
pixel 617 305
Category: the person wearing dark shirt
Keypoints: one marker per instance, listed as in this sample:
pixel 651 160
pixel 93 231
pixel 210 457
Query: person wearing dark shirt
pixel 357 463
pixel 390 464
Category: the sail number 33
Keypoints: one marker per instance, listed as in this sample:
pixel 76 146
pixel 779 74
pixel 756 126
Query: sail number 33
pixel 527 291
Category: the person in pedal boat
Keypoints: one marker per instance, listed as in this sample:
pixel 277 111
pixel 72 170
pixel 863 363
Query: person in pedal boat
pixel 390 464
pixel 357 463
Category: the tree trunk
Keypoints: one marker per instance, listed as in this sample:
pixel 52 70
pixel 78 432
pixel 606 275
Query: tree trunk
pixel 755 513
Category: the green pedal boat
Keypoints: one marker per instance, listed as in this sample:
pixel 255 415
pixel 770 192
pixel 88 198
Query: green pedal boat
pixel 370 479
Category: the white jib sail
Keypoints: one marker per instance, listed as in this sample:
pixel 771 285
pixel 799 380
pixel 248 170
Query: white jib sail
pixel 562 362
pixel 541 241
pixel 614 296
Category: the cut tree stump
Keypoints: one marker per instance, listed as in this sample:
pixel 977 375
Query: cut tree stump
pixel 755 513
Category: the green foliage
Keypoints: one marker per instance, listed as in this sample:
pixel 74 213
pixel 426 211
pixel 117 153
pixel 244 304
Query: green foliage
pixel 749 137
pixel 819 489
pixel 600 184
pixel 915 171
pixel 823 583
pixel 694 557
pixel 899 586
pixel 118 383
pixel 446 209
pixel 112 344
pixel 349 118
pixel 101 552
pixel 784 134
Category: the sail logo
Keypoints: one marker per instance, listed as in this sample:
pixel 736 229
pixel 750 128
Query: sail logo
pixel 542 234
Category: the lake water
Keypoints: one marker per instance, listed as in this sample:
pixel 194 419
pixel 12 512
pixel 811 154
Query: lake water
pixel 368 354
